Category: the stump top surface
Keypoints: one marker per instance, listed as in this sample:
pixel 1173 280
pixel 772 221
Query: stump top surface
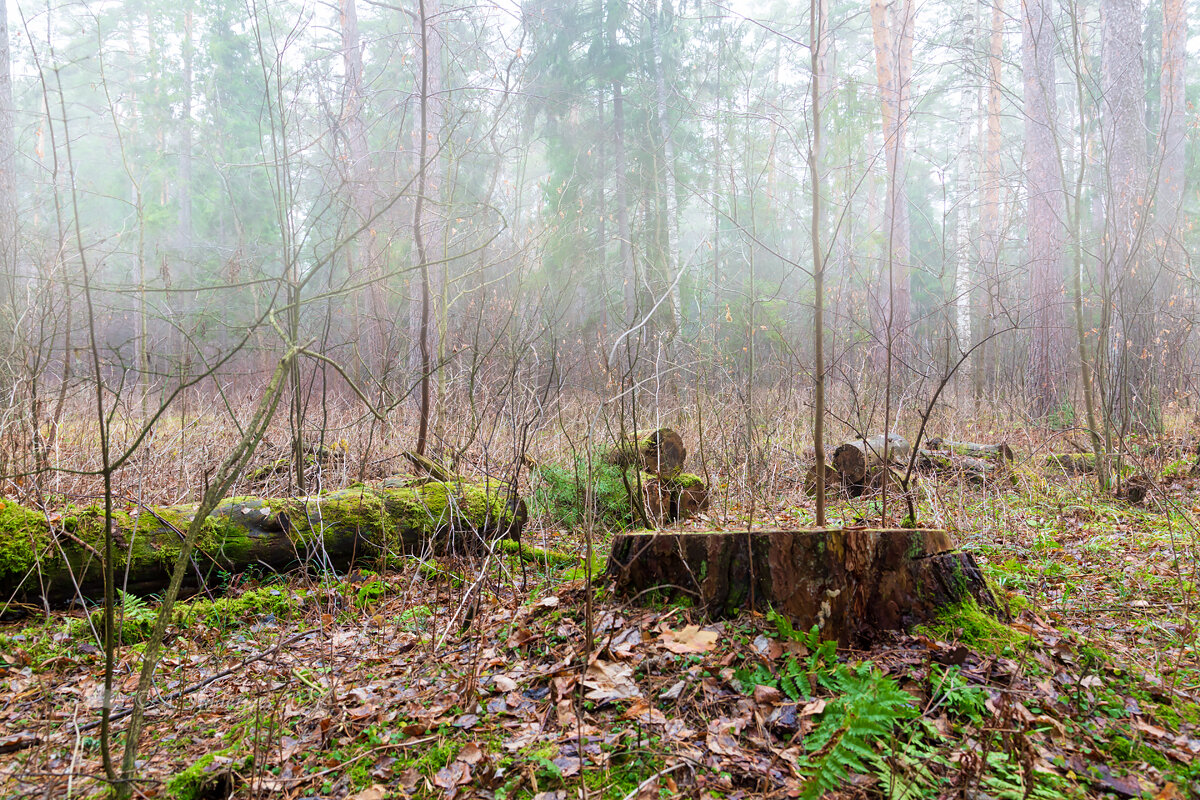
pixel 916 542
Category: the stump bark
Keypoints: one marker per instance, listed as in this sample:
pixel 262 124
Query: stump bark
pixel 660 452
pixel 852 583
pixel 47 557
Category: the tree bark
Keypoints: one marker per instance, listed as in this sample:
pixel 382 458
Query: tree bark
pixel 8 166
pixel 1124 164
pixel 892 28
pixel 853 583
pixel 42 558
pixel 1045 213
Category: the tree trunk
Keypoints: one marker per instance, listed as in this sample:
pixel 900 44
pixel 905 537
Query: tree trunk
pixel 989 213
pixel 853 584
pixel 892 28
pixel 1046 209
pixel 41 558
pixel 855 459
pixel 8 166
pixel 1172 141
pixel 1124 144
pixel 660 452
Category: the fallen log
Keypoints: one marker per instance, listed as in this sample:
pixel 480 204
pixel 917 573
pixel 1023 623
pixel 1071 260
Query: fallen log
pixel 999 451
pixel 660 452
pixel 49 555
pixel 855 459
pixel 851 583
pixel 1073 463
pixel 977 470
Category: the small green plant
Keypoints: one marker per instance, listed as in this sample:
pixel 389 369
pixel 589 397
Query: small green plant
pixel 866 706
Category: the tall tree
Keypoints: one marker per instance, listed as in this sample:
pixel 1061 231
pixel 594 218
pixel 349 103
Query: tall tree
pixel 892 28
pixel 1172 162
pixel 8 162
pixel 1044 213
pixel 989 212
pixel 1124 168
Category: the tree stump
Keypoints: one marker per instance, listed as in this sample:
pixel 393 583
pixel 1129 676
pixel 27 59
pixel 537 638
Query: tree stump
pixel 660 452
pixel 851 583
pixel 48 557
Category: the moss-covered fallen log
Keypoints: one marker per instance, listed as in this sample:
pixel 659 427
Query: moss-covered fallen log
pixel 851 583
pixel 999 451
pixel 58 556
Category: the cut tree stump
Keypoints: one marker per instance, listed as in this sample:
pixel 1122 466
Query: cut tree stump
pixel 41 557
pixel 660 452
pixel 851 583
pixel 854 460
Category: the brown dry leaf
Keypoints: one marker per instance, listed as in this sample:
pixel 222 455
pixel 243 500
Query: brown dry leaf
pixel 812 707
pixel 376 792
pixel 504 683
pixel 689 640
pixel 453 775
pixel 610 680
pixel 471 753
pixel 767 695
pixel 645 713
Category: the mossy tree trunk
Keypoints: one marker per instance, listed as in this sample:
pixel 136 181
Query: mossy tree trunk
pixel 61 560
pixel 851 583
pixel 856 460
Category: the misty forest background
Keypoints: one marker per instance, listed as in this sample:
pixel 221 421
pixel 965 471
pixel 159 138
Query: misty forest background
pixel 596 202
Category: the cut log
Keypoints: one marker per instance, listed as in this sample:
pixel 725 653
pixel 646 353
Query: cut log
pixel 832 480
pixel 998 451
pixel 855 459
pixel 852 583
pixel 660 452
pixel 40 558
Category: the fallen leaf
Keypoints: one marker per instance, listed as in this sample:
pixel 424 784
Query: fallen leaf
pixel 610 680
pixel 504 683
pixel 689 640
pixel 471 753
pixel 376 792
pixel 452 775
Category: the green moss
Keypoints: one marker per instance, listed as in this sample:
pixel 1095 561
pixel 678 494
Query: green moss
pixel 967 623
pixel 197 781
pixel 23 533
pixel 685 480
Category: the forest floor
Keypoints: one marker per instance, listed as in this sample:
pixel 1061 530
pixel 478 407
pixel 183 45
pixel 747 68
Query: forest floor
pixel 386 686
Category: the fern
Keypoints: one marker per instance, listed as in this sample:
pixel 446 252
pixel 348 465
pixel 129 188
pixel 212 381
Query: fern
pixel 867 707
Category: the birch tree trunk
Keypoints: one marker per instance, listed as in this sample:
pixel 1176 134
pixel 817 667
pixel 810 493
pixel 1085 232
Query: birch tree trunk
pixel 1045 211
